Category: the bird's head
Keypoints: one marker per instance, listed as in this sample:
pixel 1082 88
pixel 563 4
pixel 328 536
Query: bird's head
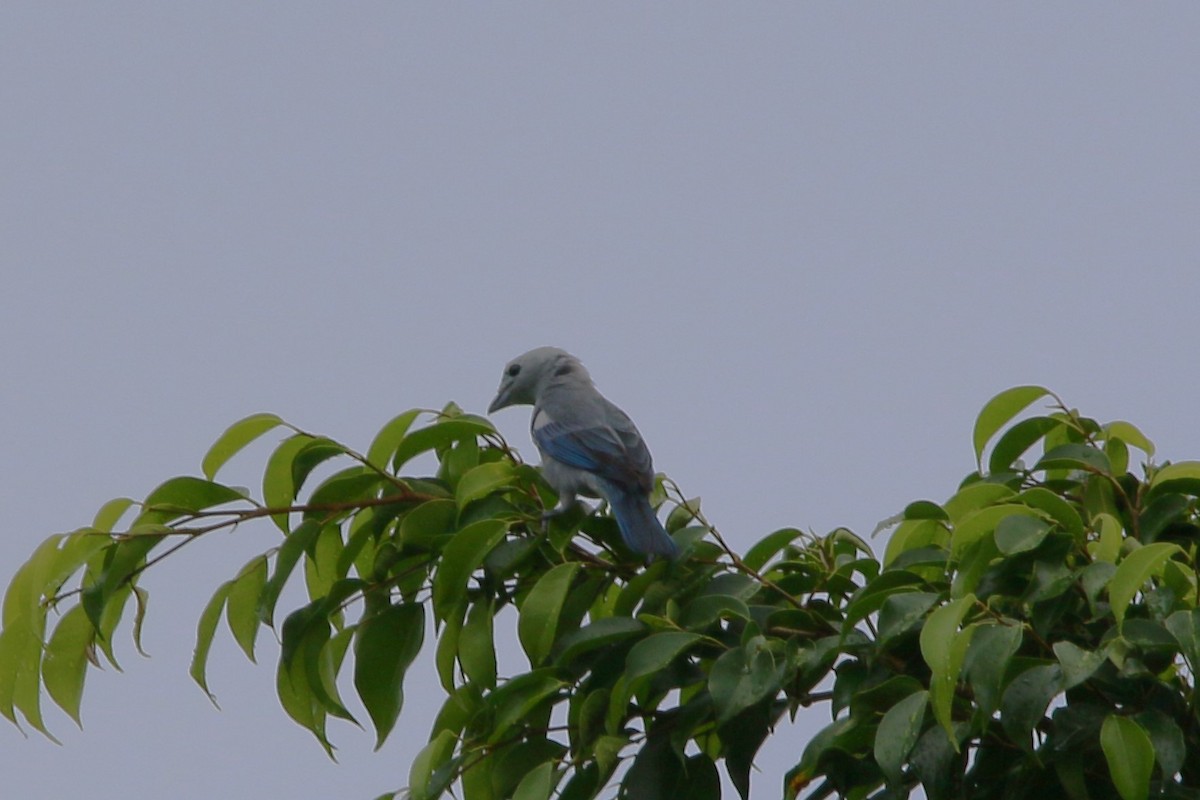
pixel 526 375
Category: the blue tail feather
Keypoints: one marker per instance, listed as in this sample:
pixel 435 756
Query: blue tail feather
pixel 639 525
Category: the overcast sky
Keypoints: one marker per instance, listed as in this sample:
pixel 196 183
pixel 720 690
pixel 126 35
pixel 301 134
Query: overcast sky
pixel 801 244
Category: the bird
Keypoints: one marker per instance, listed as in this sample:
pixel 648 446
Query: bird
pixel 588 445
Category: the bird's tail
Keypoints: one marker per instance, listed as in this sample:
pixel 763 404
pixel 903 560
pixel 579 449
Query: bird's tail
pixel 639 525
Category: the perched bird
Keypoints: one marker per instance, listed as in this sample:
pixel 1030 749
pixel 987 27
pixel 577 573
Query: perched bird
pixel 588 445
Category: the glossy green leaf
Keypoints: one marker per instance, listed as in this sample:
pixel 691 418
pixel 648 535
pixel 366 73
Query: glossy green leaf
pixel 1182 476
pixel 484 479
pixel 765 549
pixel 1075 456
pixel 1133 572
pixel 1077 664
pixel 243 603
pixel 289 553
pixel 1018 439
pixel 537 627
pixel 513 702
pixel 1130 434
pixel 438 435
pixel 179 496
pixel 1024 703
pixel 742 677
pixel 204 636
pixel 476 646
pixel 537 784
pixel 384 445
pixel 897 733
pixel 432 759
pixel 1130 756
pixel 999 410
pixel 983 522
pixel 235 438
pixel 461 557
pixel 1019 534
pixel 655 652
pixel 110 513
pixel 944 646
pixel 384 647
pixel 1184 625
pixel 279 488
pixel 603 633
pixel 988 658
pixel 64 666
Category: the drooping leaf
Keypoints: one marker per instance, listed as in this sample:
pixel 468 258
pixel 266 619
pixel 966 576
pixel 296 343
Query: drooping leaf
pixel 988 657
pixel 234 439
pixel 179 496
pixel 537 627
pixel 385 645
pixel 476 646
pixel 461 557
pixel 1077 664
pixel 1130 756
pixel 897 733
pixel 204 636
pixel 1133 571
pixel 289 553
pixel 64 666
pixel 1024 702
pixel 944 646
pixel 742 677
pixel 242 605
pixel 655 652
pixel 762 551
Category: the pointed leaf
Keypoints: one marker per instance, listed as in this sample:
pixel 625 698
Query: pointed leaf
pixel 204 636
pixel 384 445
pixel 481 481
pixel 241 609
pixel 384 647
pixel 461 557
pixel 537 627
pixel 897 733
pixel 65 664
pixel 944 647
pixel 1133 572
pixel 999 410
pixel 289 553
pixel 655 652
pixel 1130 756
pixel 236 437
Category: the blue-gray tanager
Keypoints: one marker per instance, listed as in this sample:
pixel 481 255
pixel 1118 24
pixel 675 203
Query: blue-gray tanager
pixel 588 445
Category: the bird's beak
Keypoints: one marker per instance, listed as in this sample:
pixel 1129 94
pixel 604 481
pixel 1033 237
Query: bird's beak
pixel 501 400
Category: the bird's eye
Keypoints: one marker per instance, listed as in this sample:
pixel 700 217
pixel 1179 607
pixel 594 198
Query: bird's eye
pixel 513 370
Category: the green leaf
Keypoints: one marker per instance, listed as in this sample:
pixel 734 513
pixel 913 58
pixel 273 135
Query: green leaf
pixel 944 646
pixel 1019 534
pixel 476 645
pixel 481 481
pixel 420 527
pixel 241 608
pixel 432 759
pixel 537 627
pixel 65 664
pixel 438 435
pixel 1025 700
pixel 461 557
pixel 384 445
pixel 742 677
pixel 1019 438
pixel 978 524
pixel 1185 627
pixel 762 551
pixel 1075 456
pixel 236 437
pixel 289 553
pixel 1130 756
pixel 512 703
pixel 537 784
pixel 180 496
pixel 988 658
pixel 1077 664
pixel 1170 748
pixel 901 612
pixel 110 513
pixel 999 410
pixel 1108 546
pixel 204 636
pixel 655 652
pixel 384 646
pixel 1133 572
pixel 279 488
pixel 1130 434
pixel 602 633
pixel 1183 476
pixel 897 733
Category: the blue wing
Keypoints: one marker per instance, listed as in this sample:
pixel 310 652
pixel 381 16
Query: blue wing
pixel 619 457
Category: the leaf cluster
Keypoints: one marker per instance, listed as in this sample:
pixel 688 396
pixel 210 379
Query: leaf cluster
pixel 1036 631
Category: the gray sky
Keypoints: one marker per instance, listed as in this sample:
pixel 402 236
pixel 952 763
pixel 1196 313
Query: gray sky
pixel 800 244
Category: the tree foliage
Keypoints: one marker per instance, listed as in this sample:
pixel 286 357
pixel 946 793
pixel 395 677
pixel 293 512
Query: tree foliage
pixel 1035 632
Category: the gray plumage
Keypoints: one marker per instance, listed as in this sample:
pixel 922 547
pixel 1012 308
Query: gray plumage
pixel 588 445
